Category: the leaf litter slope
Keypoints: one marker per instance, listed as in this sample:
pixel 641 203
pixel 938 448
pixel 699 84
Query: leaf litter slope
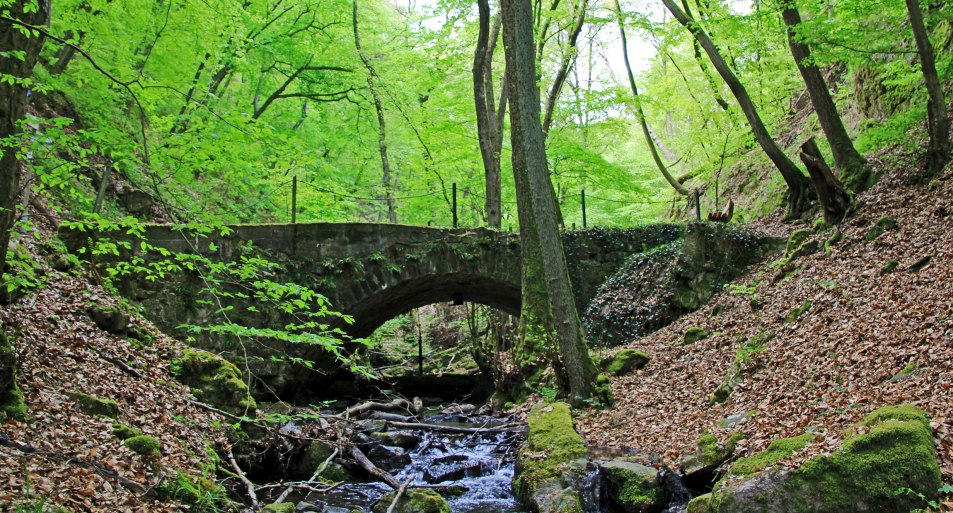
pixel 60 350
pixel 851 352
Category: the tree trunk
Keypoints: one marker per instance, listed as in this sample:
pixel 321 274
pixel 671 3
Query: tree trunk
pixel 938 153
pixel 372 78
pixel 854 172
pixel 529 161
pixel 13 104
pixel 798 185
pixel 486 126
pixel 834 200
pixel 640 113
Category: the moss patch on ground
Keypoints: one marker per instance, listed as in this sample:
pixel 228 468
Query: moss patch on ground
pixel 215 381
pixel 798 312
pixel 882 225
pixel 693 335
pixel 145 445
pixel 92 405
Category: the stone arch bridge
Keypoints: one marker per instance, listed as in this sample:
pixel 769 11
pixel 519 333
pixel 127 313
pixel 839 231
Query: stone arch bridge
pixel 373 272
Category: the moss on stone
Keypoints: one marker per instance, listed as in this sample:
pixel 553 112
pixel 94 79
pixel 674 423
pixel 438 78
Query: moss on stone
pixel 214 380
pixel 552 443
pixel 708 449
pixel 700 504
pixel 882 225
pixel 145 445
pixel 625 361
pixel 124 432
pixel 775 452
pixel 413 501
pixel 795 241
pixel 633 486
pixel 835 237
pixel 694 334
pixel 284 507
pixel 92 405
pixel 869 470
pixel 798 312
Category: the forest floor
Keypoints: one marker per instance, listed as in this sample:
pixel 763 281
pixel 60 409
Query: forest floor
pixel 870 338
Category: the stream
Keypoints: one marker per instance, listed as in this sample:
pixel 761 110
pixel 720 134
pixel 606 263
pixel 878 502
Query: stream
pixel 473 471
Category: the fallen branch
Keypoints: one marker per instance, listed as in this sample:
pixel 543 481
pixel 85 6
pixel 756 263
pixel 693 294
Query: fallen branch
pixel 396 404
pixel 248 484
pixel 506 428
pixel 398 495
pixel 122 365
pixel 379 415
pixel 284 495
pixel 29 450
pixel 372 469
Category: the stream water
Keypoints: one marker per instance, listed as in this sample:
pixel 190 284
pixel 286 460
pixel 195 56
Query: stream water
pixel 474 471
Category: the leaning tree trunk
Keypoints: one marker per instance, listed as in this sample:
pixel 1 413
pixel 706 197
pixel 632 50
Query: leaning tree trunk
pixel 834 200
pixel 798 185
pixel 529 159
pixel 13 104
pixel 679 188
pixel 854 172
pixel 372 79
pixel 938 153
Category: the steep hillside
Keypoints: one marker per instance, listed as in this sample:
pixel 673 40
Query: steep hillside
pixel 811 346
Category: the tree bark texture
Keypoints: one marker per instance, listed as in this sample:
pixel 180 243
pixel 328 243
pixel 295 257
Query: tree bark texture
pixel 640 113
pixel 938 153
pixel 13 104
pixel 798 184
pixel 833 198
pixel 372 79
pixel 529 160
pixel 854 172
pixel 485 112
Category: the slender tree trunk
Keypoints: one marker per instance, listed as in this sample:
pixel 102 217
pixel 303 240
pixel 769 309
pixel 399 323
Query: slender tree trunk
pixel 938 153
pixel 372 79
pixel 703 66
pixel 483 97
pixel 638 108
pixel 529 161
pixel 798 185
pixel 834 200
pixel 854 172
pixel 13 104
pixel 568 57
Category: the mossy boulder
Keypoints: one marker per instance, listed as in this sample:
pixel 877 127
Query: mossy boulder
pixel 283 507
pixel 92 405
pixel 543 477
pixel 709 454
pixel 145 445
pixel 632 486
pixel 413 501
pixel 694 334
pixel 624 362
pixel 109 318
pixel 12 404
pixel 700 504
pixel 892 449
pixel 215 381
pixel 882 225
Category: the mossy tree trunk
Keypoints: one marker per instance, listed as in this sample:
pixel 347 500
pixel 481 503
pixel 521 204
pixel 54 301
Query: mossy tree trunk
pixel 854 172
pixel 799 187
pixel 532 175
pixel 13 71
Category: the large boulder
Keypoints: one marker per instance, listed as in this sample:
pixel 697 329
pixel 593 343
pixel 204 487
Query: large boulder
pixel 633 486
pixel 548 465
pixel 215 381
pixel 891 450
